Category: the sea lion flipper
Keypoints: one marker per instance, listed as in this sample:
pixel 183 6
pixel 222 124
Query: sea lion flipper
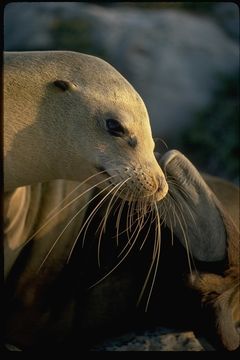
pixel 194 209
pixel 206 230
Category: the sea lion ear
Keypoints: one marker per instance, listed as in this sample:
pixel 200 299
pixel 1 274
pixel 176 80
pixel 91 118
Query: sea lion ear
pixel 64 85
pixel 195 218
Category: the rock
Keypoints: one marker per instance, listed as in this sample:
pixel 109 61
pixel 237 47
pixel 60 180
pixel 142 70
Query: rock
pixel 227 15
pixel 174 59
pixel 158 339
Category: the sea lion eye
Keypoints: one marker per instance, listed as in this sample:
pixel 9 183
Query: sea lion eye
pixel 114 127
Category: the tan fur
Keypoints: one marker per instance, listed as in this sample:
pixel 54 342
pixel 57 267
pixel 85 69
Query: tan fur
pixel 227 193
pixel 28 208
pixel 51 133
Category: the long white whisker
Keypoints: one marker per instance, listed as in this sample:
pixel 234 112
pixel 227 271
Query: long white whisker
pixel 138 230
pixel 156 254
pixel 149 228
pixel 92 213
pixel 119 219
pixel 158 239
pixel 62 209
pixel 85 223
pixel 183 232
pixel 67 225
pixel 114 268
pixel 74 190
pixel 117 187
pixel 168 210
pixel 117 208
pixel 180 187
pixel 182 190
pixel 134 222
pixel 110 202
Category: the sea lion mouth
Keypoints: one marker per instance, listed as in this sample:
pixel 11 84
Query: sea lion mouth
pixel 126 190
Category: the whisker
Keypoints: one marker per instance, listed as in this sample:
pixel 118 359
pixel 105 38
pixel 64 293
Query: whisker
pixel 114 268
pixel 124 231
pixel 87 220
pixel 182 190
pixel 106 214
pixel 184 233
pixel 119 219
pixel 149 228
pixel 180 187
pixel 156 140
pixel 90 216
pixel 74 190
pixel 110 202
pixel 168 209
pixel 138 230
pixel 156 255
pixel 110 209
pixel 62 209
pixel 128 217
pixel 184 203
pixel 187 247
pixel 67 225
pixel 118 264
pixel 158 249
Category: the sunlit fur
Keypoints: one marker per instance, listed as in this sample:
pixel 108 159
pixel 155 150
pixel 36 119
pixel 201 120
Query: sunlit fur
pixel 61 133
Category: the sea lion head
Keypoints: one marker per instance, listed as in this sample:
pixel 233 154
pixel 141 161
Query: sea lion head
pixel 110 128
pixel 68 116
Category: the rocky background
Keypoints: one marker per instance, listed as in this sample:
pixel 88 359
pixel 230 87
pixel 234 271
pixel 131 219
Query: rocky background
pixel 183 59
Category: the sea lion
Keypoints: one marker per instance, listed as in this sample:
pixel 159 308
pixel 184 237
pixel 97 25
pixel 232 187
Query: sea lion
pixel 50 309
pixel 49 98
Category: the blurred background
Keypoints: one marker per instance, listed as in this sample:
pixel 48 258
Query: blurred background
pixel 182 58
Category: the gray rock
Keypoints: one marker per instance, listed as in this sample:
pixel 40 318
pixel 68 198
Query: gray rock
pixel 227 15
pixel 174 59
